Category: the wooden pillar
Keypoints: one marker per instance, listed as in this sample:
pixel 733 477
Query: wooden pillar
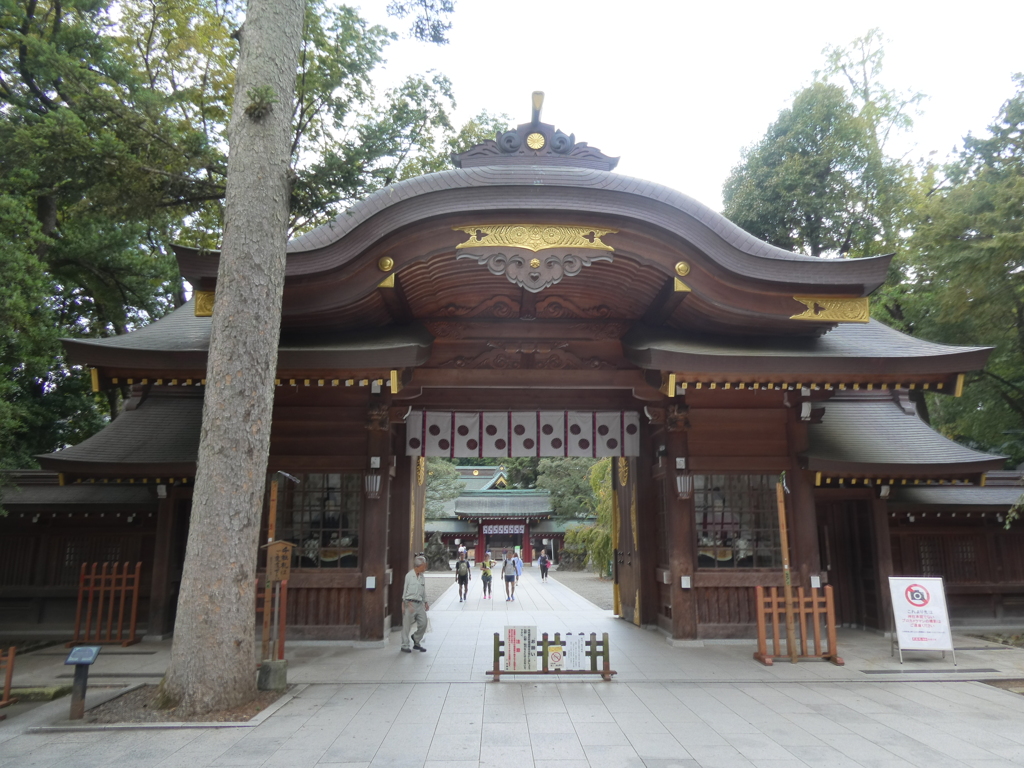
pixel 159 625
pixel 883 561
pixel 803 521
pixel 374 546
pixel 401 511
pixel 681 533
pixel 527 544
pixel 647 526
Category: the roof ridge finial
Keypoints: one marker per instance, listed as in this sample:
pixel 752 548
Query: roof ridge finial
pixel 538 102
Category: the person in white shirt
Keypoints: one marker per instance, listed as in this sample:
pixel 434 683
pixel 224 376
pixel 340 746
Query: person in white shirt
pixel 414 605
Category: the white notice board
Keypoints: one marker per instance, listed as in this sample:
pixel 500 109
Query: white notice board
pixel 922 621
pixel 575 651
pixel 520 649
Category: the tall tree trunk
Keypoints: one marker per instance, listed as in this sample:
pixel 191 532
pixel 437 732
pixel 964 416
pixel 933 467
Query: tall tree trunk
pixel 213 659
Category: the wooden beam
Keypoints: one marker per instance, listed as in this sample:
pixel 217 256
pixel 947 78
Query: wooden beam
pixel 397 302
pixel 664 304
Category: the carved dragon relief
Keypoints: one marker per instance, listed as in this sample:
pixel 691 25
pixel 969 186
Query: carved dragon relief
pixel 505 355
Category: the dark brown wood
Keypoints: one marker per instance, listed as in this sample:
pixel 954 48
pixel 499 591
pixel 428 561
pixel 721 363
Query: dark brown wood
pixel 374 541
pixel 681 535
pixel 101 595
pixel 160 595
pixel 402 516
pixel 812 610
pixel 7 671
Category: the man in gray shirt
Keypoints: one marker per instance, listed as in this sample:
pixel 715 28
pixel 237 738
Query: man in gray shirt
pixel 414 605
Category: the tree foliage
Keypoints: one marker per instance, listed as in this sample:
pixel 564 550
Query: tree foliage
pixel 595 539
pixel 819 182
pixel 444 483
pixel 567 480
pixel 967 279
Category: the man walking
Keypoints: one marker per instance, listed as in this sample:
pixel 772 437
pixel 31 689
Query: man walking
pixel 462 576
pixel 508 573
pixel 414 605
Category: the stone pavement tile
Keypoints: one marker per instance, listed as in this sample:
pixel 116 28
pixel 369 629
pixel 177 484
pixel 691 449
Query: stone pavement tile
pixel 354 745
pixel 343 765
pixel 556 746
pixel 451 764
pixel 613 757
pixel 996 763
pixel 497 736
pixel 758 747
pixel 658 745
pixel 560 764
pixel 857 746
pixel 392 762
pixel 718 757
pixel 788 734
pixel 699 734
pixel 824 756
pixel 639 722
pixel 468 697
pixel 247 752
pixel 511 716
pixel 657 762
pixel 589 713
pixel 600 735
pixel 817 724
pixel 728 723
pixel 455 747
pixel 938 740
pixel 280 726
pixel 406 741
pixel 507 755
pixel 549 722
pixel 294 758
pixel 544 704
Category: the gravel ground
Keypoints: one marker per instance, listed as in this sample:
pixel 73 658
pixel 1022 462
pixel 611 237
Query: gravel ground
pixel 587 585
pixel 436 585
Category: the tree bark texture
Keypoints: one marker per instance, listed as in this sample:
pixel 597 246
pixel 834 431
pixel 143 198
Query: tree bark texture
pixel 213 659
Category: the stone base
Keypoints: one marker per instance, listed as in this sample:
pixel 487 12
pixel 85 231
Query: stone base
pixel 273 676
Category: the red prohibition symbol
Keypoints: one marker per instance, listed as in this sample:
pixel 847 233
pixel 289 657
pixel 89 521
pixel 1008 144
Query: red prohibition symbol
pixel 917 596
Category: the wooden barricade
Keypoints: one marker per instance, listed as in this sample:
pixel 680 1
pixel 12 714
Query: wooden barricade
pixel 7 669
pixel 261 593
pixel 596 649
pixel 810 609
pixel 101 596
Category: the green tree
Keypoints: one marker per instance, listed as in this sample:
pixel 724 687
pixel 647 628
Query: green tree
pixel 966 285
pixel 522 471
pixel 444 483
pixel 596 538
pixel 567 480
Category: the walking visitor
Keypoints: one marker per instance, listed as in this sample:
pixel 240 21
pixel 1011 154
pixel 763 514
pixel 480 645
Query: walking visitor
pixel 414 605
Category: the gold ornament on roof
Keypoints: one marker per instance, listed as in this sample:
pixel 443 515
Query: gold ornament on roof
pixel 204 303
pixel 535 141
pixel 386 264
pixel 682 269
pixel 833 310
pixel 535 263
pixel 535 237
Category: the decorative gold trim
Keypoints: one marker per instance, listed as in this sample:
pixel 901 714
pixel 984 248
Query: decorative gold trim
pixel 535 237
pixel 396 384
pixel 386 264
pixel 95 376
pixel 681 287
pixel 959 390
pixel 833 310
pixel 204 303
pixel 535 141
pixel 682 269
pixel 535 263
pixel 387 282
pixel 623 471
pixel 421 469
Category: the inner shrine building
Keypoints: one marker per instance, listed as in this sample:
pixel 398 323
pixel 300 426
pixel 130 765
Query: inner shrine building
pixel 532 302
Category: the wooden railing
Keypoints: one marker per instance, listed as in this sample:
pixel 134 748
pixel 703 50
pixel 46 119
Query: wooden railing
pixel 101 596
pixel 810 611
pixel 596 649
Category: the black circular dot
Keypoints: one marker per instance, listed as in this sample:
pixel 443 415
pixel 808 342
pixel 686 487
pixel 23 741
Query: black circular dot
pixel 602 430
pixel 434 430
pixel 491 430
pixel 612 443
pixel 414 443
pixel 443 445
pixel 528 443
pixel 631 429
pixel 499 444
pixel 519 429
pixel 584 444
pixel 547 429
pixel 574 429
pixel 471 444
pixel 463 430
pixel 556 443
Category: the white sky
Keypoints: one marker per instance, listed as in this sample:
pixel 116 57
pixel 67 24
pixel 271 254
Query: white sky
pixel 678 89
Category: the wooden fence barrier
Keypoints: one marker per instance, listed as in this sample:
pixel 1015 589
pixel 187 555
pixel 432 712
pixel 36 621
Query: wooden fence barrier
pixel 100 596
pixel 278 652
pixel 810 611
pixel 7 669
pixel 596 649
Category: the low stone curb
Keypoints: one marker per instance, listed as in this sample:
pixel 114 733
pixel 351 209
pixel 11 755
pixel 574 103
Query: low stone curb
pixel 255 721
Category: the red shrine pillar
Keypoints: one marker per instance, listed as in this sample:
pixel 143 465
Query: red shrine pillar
pixel 481 542
pixel 527 544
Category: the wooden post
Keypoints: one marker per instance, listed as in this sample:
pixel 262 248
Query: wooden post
pixel 787 584
pixel 271 533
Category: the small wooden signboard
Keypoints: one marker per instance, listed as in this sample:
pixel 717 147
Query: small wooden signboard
pixel 279 561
